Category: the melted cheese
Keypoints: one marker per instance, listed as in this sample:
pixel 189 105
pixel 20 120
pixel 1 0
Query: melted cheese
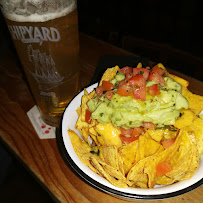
pixel 108 134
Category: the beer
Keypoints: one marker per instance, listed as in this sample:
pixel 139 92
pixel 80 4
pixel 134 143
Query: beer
pixel 48 48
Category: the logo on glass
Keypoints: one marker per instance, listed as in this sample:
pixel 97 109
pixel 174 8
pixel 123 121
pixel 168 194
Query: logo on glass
pixel 34 34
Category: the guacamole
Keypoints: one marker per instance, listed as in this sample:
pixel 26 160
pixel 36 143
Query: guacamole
pixel 127 112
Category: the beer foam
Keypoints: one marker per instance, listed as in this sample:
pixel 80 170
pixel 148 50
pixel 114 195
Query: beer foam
pixel 38 15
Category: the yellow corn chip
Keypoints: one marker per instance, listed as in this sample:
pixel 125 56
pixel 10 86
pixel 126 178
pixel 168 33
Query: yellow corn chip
pixel 128 154
pixel 113 180
pixel 109 74
pixel 186 119
pixel 179 156
pixel 108 134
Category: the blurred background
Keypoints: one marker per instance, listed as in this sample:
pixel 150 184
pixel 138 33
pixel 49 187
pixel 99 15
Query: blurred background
pixel 162 31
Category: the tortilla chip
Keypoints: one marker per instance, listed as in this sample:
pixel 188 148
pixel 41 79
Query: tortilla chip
pixel 79 145
pixel 78 110
pixel 156 135
pixel 185 161
pixel 93 135
pixel 100 166
pixel 195 101
pixel 82 111
pixel 85 98
pixel 197 129
pixel 109 74
pixel 143 181
pixel 160 65
pixel 85 134
pixel 127 154
pixel 113 166
pixel 187 117
pixel 179 155
pixel 139 65
pixel 164 180
pixel 108 134
pixel 81 148
pixel 109 154
pixel 147 147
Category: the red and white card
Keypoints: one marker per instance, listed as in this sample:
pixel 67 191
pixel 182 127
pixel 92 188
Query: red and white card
pixel 43 130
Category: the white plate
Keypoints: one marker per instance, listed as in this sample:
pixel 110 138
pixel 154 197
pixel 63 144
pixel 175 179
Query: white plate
pixel 159 192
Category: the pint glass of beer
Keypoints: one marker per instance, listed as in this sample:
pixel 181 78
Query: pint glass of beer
pixel 45 35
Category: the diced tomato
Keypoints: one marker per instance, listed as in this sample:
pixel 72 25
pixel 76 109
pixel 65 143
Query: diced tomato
pixel 137 131
pixel 128 76
pixel 126 131
pixel 167 143
pixel 140 93
pixel 163 168
pixel 106 85
pixel 127 135
pixel 137 81
pixel 149 125
pixel 157 74
pixel 126 69
pixel 125 90
pixel 154 90
pixel 154 76
pixel 109 94
pixel 160 71
pixel 88 114
pixel 142 71
pixel 127 140
pixel 99 91
pixel 121 83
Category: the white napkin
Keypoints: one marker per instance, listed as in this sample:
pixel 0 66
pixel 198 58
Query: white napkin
pixel 43 130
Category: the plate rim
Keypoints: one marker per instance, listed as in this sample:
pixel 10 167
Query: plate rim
pixel 95 184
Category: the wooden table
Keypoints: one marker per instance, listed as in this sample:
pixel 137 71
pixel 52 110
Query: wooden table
pixel 42 157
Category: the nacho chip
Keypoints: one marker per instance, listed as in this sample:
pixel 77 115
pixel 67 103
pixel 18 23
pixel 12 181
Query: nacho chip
pixel 108 134
pixel 93 134
pixel 109 74
pixel 109 155
pixel 82 111
pixel 195 101
pixel 100 166
pixel 78 110
pixel 197 129
pixel 139 65
pixel 81 148
pixel 127 154
pixel 180 156
pixel 160 65
pixel 164 180
pixel 85 98
pixel 79 145
pixel 185 161
pixel 147 147
pixel 187 117
pixel 156 135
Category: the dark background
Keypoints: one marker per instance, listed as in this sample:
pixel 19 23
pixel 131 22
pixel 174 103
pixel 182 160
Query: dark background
pixel 163 31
